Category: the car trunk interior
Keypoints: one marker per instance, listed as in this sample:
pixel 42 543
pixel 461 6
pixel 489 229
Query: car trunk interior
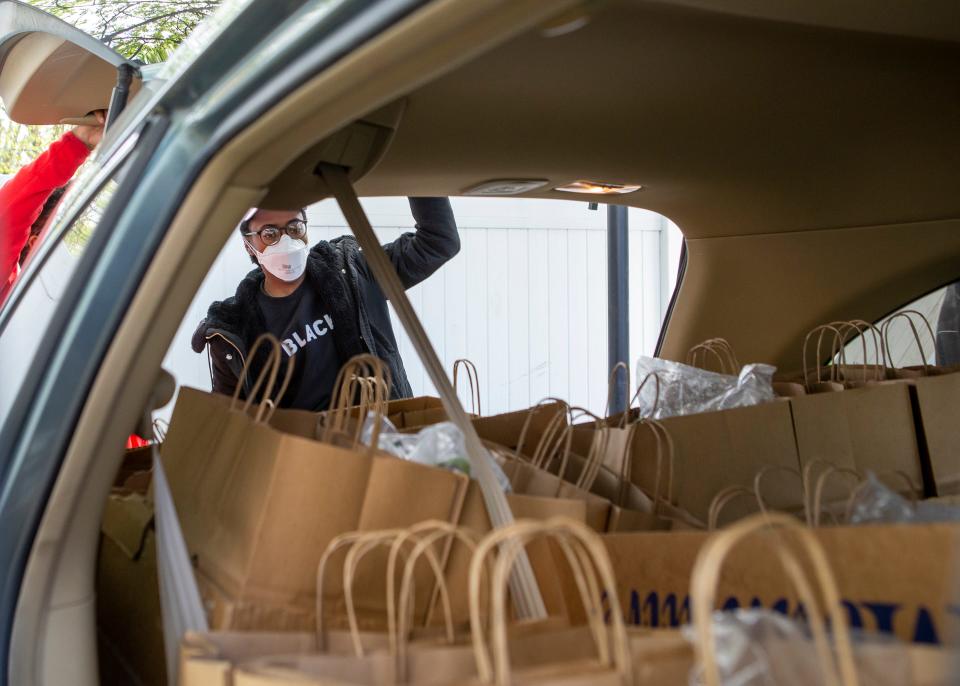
pixel 808 154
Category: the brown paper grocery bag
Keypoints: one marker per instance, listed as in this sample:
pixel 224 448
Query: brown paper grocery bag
pixel 544 652
pixel 204 435
pixel 634 510
pixel 869 428
pixel 206 432
pixel 424 545
pixel 314 492
pixel 214 657
pixel 894 579
pixel 519 431
pixel 527 479
pixel 531 653
pixel 209 659
pixel 537 651
pixel 280 497
pixel 832 657
pixel 839 374
pixel 413 421
pixel 713 450
pixel 631 509
pixel 937 399
pixel 475 518
pixel 400 494
pixel 249 495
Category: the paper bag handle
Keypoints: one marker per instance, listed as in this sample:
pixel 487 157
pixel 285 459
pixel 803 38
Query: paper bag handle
pixel 879 346
pixel 696 357
pixel 587 557
pixel 823 328
pixel 730 493
pixel 444 530
pixel 410 535
pixel 583 574
pixel 663 438
pixel 839 348
pixel 817 499
pixel 767 469
pixel 612 385
pixel 269 406
pixel 719 348
pixel 720 500
pixel 840 341
pixel 706 577
pixel 473 379
pixel 271 368
pixel 908 315
pixel 346 539
pixel 366 377
pixel 529 419
pixel 553 434
pixel 361 541
pixel 594 457
pixel 356 553
pixel 636 396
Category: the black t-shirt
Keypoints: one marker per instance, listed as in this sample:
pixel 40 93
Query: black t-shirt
pixel 305 330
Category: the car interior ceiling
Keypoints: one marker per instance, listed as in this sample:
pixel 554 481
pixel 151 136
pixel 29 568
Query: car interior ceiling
pixel 774 184
pixel 791 218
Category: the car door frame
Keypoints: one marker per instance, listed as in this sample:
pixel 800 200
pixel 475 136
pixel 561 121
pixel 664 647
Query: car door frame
pixel 189 124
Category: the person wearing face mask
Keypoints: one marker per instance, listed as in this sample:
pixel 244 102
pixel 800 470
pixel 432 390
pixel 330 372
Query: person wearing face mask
pixel 321 302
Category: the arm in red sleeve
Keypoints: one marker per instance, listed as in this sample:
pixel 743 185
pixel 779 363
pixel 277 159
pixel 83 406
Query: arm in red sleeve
pixel 23 196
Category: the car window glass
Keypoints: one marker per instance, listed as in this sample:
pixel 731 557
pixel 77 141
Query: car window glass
pixel 917 344
pixel 32 313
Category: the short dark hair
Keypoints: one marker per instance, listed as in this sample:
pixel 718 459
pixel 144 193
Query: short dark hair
pixel 244 226
pixel 48 207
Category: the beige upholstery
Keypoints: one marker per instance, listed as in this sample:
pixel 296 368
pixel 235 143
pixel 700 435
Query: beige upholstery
pixel 46 78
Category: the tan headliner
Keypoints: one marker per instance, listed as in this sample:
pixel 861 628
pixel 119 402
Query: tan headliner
pixel 733 126
pixel 803 122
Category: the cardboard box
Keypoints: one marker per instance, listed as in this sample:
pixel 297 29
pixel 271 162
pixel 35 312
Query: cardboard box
pixel 898 579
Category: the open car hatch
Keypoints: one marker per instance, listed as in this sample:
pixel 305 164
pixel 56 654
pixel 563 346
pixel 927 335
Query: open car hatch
pixel 51 71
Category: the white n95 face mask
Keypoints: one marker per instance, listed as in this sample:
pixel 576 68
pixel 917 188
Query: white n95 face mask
pixel 286 259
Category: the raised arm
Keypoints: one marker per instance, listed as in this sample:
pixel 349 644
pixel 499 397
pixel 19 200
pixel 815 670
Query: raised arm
pixel 417 255
pixel 23 196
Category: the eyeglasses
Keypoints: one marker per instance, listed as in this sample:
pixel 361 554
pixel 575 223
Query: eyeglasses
pixel 271 234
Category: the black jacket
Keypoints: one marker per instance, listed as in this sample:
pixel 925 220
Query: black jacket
pixel 339 272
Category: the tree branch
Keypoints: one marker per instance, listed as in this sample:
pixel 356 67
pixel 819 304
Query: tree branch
pixel 146 22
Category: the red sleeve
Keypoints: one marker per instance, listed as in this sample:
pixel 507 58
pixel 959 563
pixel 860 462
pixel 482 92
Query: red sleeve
pixel 23 196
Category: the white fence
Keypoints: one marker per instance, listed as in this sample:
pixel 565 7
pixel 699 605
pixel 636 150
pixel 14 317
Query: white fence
pixel 526 298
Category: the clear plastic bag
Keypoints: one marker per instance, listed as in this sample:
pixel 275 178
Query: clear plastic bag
pixel 874 502
pixel 688 390
pixel 438 445
pixel 756 647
